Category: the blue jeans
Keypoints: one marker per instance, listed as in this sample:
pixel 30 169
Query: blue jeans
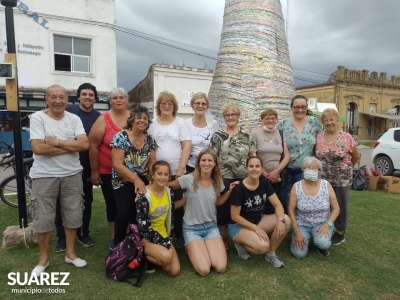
pixel 321 242
pixel 205 231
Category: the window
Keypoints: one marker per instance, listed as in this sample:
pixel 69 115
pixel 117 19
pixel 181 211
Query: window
pixel 72 54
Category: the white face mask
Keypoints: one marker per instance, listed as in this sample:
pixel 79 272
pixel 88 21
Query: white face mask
pixel 268 129
pixel 311 175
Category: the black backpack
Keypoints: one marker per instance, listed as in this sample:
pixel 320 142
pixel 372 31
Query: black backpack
pixel 127 259
pixel 359 181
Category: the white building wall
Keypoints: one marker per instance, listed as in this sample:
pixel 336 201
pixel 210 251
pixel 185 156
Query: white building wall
pixel 182 82
pixel 36 22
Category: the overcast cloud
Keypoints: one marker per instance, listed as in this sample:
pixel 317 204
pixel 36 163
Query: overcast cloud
pixel 358 34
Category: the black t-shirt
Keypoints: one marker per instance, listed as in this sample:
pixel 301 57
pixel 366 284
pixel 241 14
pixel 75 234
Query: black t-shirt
pixel 252 202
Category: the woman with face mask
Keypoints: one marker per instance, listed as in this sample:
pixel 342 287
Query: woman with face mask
pixel 273 151
pixel 313 208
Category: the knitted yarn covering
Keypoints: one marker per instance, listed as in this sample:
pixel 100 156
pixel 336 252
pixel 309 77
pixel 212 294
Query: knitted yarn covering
pixel 253 68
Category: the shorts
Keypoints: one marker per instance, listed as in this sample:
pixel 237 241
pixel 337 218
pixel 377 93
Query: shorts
pixel 233 230
pixel 205 231
pixel 44 199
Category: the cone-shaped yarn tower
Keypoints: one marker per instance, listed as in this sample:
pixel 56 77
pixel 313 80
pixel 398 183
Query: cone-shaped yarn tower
pixel 253 68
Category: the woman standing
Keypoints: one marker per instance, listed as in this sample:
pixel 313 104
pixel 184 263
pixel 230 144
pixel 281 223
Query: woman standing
pixel 312 208
pixel 300 131
pixel 272 149
pixel 338 153
pixel 200 131
pixel 133 154
pixel 203 241
pixel 100 137
pixel 250 230
pixel 173 146
pixel 154 218
pixel 232 146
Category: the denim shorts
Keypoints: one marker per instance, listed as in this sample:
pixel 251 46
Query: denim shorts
pixel 233 230
pixel 205 231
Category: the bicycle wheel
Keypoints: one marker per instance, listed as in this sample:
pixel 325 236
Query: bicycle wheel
pixel 9 192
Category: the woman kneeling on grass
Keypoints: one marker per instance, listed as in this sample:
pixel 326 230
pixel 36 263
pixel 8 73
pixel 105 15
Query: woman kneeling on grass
pixel 249 229
pixel 312 208
pixel 154 220
pixel 204 244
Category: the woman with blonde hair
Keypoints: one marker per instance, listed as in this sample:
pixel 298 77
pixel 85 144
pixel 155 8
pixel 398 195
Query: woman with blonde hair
pixel 338 153
pixel 233 146
pixel 203 241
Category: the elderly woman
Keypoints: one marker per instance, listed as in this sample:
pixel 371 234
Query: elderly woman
pixel 300 131
pixel 250 230
pixel 338 153
pixel 232 146
pixel 200 130
pixel 100 137
pixel 312 208
pixel 272 149
pixel 173 146
pixel 133 153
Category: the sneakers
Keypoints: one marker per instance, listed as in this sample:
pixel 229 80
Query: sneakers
pixel 242 253
pixel 150 267
pixel 338 239
pixel 77 262
pixel 61 245
pixel 86 241
pixel 39 269
pixel 323 252
pixel 273 260
pixel 225 240
pixel 180 243
pixel 111 244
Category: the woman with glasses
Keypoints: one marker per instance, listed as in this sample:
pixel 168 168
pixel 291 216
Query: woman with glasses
pixel 313 209
pixel 200 130
pixel 173 146
pixel 338 153
pixel 232 146
pixel 300 132
pixel 272 149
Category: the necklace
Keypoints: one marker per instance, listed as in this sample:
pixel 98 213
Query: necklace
pixel 268 137
pixel 199 124
pixel 137 142
pixel 310 191
pixel 330 138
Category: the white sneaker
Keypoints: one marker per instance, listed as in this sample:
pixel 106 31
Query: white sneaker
pixel 242 253
pixel 39 269
pixel 77 262
pixel 274 260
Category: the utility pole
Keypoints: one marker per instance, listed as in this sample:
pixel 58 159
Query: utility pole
pixel 12 103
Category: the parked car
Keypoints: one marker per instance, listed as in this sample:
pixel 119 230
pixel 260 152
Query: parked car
pixel 386 153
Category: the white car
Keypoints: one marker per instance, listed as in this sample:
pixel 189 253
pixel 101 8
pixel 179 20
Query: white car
pixel 386 153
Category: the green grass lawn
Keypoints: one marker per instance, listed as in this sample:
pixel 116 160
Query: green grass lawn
pixel 367 266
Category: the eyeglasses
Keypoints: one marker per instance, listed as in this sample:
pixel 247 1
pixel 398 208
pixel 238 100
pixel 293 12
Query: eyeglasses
pixel 300 107
pixel 200 104
pixel 165 104
pixel 269 119
pixel 230 115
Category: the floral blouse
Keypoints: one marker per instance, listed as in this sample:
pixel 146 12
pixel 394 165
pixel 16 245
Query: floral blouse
pixel 336 158
pixel 300 145
pixel 135 159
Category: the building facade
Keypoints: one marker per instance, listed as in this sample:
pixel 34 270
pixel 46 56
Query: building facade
pixel 66 42
pixel 180 81
pixel 368 103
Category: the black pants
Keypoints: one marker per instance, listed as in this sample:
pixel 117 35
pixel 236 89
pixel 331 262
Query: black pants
pixel 87 212
pixel 126 209
pixel 224 211
pixel 178 213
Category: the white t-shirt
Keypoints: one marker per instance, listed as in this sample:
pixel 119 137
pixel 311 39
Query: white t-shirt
pixel 201 138
pixel 168 139
pixel 68 128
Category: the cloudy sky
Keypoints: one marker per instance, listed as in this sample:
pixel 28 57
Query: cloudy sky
pixel 358 34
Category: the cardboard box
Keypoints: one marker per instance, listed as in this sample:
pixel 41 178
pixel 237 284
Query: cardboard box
pixel 372 182
pixel 390 184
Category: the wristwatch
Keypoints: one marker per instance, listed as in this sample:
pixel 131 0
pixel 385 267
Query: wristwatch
pixel 329 223
pixel 282 220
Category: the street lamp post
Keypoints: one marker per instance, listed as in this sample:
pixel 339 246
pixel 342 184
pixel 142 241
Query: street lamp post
pixel 13 101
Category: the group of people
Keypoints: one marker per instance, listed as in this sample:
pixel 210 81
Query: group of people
pixel 188 178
